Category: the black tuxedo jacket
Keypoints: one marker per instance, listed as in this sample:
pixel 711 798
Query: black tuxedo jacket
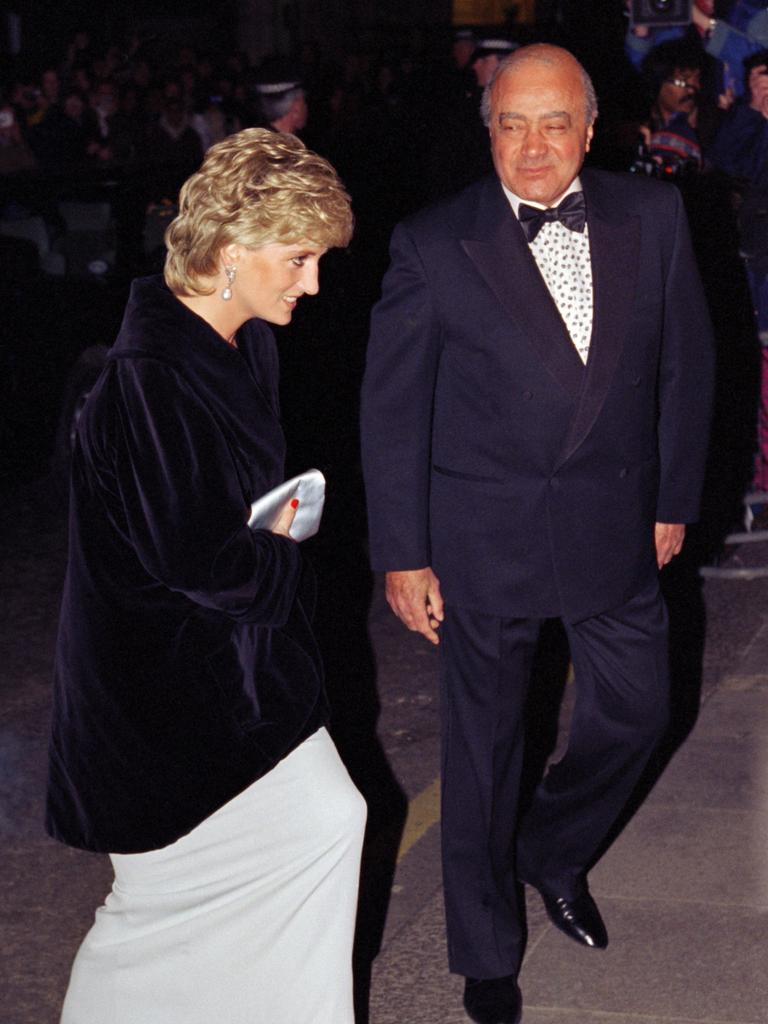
pixel 529 482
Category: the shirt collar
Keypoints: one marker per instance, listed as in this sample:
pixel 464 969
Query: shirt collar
pixel 514 200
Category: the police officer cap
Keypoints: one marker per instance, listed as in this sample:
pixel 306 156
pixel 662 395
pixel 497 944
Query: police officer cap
pixel 276 77
pixel 497 45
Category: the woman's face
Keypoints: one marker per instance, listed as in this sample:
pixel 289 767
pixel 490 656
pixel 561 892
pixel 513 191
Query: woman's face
pixel 270 280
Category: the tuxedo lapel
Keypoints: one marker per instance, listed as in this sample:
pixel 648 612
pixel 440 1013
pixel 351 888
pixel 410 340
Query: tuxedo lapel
pixel 497 247
pixel 614 241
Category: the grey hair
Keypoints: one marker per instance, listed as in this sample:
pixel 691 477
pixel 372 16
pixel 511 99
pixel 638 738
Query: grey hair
pixel 540 53
pixel 275 107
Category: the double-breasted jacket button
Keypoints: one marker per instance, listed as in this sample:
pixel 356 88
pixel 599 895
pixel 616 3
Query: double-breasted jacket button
pixel 623 472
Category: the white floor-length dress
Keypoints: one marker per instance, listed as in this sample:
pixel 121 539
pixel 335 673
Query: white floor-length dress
pixel 248 919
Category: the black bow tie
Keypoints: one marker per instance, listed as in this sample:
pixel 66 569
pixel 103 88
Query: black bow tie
pixel 571 212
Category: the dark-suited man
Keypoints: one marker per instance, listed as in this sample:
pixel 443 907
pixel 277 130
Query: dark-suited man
pixel 535 415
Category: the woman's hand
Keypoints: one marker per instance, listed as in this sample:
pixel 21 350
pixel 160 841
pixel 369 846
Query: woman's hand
pixel 758 88
pixel 285 519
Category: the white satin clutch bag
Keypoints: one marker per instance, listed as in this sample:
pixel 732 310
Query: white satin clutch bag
pixel 309 488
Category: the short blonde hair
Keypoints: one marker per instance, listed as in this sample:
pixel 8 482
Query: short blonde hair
pixel 254 188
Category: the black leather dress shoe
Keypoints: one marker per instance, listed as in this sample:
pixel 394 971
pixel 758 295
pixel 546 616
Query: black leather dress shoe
pixel 493 1000
pixel 578 918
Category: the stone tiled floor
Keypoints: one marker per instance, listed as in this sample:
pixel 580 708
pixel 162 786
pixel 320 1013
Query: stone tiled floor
pixel 684 888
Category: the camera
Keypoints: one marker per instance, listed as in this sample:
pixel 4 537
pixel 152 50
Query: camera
pixel 660 12
pixel 666 168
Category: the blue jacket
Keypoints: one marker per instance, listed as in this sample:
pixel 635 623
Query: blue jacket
pixel 744 32
pixel 741 146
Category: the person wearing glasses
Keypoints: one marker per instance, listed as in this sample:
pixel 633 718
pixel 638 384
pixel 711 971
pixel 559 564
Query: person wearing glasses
pixel 682 123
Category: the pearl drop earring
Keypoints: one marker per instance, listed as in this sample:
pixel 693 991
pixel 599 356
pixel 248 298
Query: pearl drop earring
pixel 227 292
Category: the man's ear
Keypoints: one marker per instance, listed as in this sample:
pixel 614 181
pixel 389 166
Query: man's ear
pixel 295 111
pixel 590 134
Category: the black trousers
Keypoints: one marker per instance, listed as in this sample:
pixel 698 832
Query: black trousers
pixel 621 710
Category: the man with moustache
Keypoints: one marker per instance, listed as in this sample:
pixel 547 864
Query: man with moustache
pixel 535 411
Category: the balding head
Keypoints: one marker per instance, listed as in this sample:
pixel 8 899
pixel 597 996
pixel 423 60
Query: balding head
pixel 540 107
pixel 545 55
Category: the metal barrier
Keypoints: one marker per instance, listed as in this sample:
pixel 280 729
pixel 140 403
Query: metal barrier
pixel 747 536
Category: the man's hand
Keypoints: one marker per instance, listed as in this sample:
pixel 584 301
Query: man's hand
pixel 701 20
pixel 758 88
pixel 414 596
pixel 726 98
pixel 639 30
pixel 669 541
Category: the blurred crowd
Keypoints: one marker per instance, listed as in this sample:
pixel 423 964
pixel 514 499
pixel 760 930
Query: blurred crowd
pixel 129 104
pixel 402 124
pixel 707 124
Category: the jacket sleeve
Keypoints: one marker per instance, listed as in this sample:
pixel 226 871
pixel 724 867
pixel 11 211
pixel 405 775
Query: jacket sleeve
pixel 181 506
pixel 741 146
pixel 396 411
pixel 686 377
pixel 732 46
pixel 637 48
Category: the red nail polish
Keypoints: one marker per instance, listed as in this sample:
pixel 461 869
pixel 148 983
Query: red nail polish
pixel 294 502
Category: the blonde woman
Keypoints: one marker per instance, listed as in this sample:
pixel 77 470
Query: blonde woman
pixel 188 736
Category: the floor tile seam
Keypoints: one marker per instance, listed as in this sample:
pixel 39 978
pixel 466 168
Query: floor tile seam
pixel 684 807
pixel 653 1018
pixel 756 636
pixel 723 683
pixel 726 690
pixel 750 734
pixel 389 940
pixel 675 901
pixel 758 809
pixel 742 656
pixel 532 944
pixel 756 812
pixel 694 736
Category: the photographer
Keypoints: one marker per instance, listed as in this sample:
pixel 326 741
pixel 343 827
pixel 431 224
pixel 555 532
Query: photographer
pixel 681 123
pixel 741 147
pixel 742 35
pixel 741 151
pixel 711 35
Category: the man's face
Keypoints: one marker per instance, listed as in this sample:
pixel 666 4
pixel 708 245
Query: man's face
pixel 706 7
pixel 50 86
pixel 484 68
pixel 680 93
pixel 104 99
pixel 73 106
pixel 539 133
pixel 299 113
pixel 462 52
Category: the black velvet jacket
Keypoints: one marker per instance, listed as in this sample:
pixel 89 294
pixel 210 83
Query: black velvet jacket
pixel 185 665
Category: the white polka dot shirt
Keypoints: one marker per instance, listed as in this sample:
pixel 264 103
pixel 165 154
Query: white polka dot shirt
pixel 562 257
